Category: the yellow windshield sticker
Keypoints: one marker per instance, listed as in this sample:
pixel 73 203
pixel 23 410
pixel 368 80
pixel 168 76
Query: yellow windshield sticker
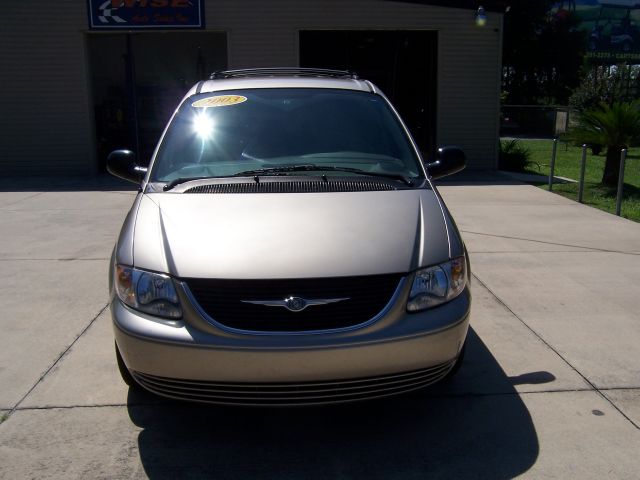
pixel 219 101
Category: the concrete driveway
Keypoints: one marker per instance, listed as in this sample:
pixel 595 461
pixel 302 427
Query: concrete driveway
pixel 550 386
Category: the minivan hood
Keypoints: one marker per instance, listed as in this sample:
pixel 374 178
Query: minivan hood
pixel 290 235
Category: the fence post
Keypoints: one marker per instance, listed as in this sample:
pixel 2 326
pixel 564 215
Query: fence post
pixel 583 165
pixel 553 163
pixel 623 159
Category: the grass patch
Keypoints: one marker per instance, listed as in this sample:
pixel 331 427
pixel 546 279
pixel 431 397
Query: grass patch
pixel 3 417
pixel 568 165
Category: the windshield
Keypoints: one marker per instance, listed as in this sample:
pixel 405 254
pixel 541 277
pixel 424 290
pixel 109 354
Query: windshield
pixel 231 132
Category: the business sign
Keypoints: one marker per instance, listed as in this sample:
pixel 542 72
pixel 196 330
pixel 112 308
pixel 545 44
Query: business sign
pixel 145 14
pixel 611 27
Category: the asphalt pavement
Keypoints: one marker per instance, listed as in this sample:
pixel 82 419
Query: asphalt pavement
pixel 550 387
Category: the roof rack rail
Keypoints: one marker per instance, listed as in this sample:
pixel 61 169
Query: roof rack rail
pixel 284 71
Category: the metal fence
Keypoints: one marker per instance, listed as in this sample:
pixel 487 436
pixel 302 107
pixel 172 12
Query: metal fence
pixel 562 163
pixel 533 121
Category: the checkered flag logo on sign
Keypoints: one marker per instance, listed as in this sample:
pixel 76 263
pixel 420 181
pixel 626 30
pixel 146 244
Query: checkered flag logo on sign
pixel 107 15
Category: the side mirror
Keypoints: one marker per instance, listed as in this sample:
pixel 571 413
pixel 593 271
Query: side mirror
pixel 122 164
pixel 450 160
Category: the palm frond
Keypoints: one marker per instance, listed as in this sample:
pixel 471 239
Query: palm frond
pixel 614 125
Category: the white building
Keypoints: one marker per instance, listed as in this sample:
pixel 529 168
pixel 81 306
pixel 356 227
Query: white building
pixel 67 91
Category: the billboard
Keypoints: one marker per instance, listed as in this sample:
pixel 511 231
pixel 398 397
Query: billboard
pixel 145 14
pixel 611 27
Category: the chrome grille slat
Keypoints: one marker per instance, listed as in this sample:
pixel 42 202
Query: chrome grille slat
pixel 292 399
pixel 335 397
pixel 271 391
pixel 412 373
pixel 262 394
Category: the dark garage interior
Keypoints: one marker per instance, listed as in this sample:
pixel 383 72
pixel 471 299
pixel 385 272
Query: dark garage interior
pixel 402 63
pixel 138 79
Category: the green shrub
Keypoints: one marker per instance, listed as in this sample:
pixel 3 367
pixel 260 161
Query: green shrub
pixel 514 156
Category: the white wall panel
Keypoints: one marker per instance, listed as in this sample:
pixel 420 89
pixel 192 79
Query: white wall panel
pixel 46 121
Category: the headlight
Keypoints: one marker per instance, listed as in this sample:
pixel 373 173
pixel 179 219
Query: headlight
pixel 148 292
pixel 436 285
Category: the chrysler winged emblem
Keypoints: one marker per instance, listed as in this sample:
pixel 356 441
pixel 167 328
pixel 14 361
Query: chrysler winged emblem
pixel 295 304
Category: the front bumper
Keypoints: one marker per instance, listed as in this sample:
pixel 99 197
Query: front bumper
pixel 197 361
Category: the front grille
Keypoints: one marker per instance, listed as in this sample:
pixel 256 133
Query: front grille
pixel 222 301
pixel 295 186
pixel 293 393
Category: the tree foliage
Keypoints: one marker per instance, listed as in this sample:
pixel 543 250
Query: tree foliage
pixel 617 126
pixel 606 84
pixel 542 54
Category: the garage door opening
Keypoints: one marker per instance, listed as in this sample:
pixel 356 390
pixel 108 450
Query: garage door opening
pixel 403 64
pixel 138 79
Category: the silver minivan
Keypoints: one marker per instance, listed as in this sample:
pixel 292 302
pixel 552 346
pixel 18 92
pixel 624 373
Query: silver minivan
pixel 287 246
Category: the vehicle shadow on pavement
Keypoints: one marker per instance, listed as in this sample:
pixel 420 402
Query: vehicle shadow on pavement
pixel 449 431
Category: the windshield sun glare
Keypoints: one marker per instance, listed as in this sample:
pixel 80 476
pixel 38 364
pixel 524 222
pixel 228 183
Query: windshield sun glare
pixel 203 125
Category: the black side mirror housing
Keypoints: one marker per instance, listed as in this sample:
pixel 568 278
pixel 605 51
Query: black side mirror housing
pixel 122 164
pixel 449 160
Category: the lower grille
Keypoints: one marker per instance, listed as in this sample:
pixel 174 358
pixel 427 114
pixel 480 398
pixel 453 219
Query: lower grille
pixel 299 393
pixel 223 300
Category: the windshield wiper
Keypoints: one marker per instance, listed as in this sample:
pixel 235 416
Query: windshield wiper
pixel 178 181
pixel 322 168
pixel 292 168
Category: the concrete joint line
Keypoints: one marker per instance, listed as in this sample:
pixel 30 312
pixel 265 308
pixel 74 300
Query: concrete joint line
pixel 52 259
pixel 57 360
pixel 535 252
pixel 99 405
pixel 45 210
pixel 593 249
pixel 593 387
pixel 170 403
pixel 520 394
pixel 21 200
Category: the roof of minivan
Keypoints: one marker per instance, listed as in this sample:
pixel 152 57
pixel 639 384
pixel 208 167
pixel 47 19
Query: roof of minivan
pixel 281 82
